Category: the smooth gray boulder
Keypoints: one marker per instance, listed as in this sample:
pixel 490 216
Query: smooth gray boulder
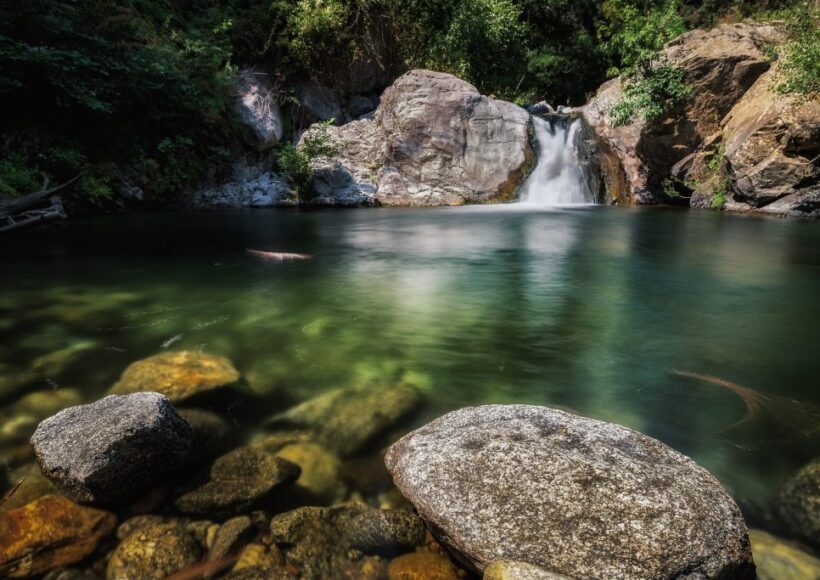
pixel 434 140
pixel 113 448
pixel 257 109
pixel 573 495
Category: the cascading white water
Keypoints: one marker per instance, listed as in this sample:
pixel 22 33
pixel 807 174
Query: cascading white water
pixel 558 178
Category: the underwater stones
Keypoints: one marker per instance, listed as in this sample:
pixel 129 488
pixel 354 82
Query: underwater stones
pixel 506 570
pixel 231 536
pixel 177 375
pixel 239 480
pixel 319 481
pixel 258 556
pixel 800 503
pixel 576 496
pixel 48 533
pixel 209 434
pixel 777 559
pixel 28 483
pixel 384 531
pixel 113 448
pixel 20 419
pixel 153 552
pixel 345 419
pixel 421 565
pixel 321 542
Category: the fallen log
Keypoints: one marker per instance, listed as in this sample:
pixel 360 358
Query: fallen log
pixel 29 210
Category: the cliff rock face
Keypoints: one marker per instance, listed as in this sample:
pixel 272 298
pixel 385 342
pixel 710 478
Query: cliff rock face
pixel 433 141
pixel 766 141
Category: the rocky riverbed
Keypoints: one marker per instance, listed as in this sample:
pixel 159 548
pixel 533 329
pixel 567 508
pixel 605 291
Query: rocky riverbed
pixel 154 481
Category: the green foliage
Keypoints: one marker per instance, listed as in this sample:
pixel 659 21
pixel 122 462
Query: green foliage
pixel 720 193
pixel 634 31
pixel 799 59
pixel 17 177
pixel 295 164
pixel 648 94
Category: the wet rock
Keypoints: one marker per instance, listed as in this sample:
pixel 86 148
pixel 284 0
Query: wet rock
pixel 33 485
pixel 385 531
pixel 319 541
pixel 258 110
pixel 258 556
pixel 573 495
pixel 422 566
pixel 345 419
pixel 777 559
pixel 209 434
pixel 232 535
pixel 177 375
pixel 507 570
pixel 113 448
pixel 319 482
pixel 239 481
pixel 800 503
pixel 133 524
pixel 154 552
pixel 48 533
pixel 435 140
pixel 261 573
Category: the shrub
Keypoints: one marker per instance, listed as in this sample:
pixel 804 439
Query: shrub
pixel 648 94
pixel 799 58
pixel 295 164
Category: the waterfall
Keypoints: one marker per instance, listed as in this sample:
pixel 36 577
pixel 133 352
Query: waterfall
pixel 558 177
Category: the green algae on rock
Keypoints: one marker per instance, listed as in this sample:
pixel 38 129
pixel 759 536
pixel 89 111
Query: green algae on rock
pixel 48 533
pixel 777 559
pixel 345 419
pixel 800 503
pixel 239 481
pixel 177 375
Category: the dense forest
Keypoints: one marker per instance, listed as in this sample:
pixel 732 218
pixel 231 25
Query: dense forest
pixel 96 88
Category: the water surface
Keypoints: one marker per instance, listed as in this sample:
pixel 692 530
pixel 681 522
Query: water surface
pixel 590 309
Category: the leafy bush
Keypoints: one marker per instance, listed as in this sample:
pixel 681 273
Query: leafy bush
pixel 295 164
pixel 799 68
pixel 648 94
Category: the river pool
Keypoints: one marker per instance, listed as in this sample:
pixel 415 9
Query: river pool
pixel 698 328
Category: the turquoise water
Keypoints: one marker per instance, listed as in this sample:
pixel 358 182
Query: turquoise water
pixel 591 309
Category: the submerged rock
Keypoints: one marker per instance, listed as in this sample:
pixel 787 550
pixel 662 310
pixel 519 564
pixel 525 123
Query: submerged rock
pixel 422 566
pixel 113 448
pixel 32 485
pixel 345 419
pixel 231 536
pixel 238 482
pixel 434 140
pixel 777 559
pixel 507 570
pixel 177 375
pixel 258 110
pixel 319 482
pixel 19 419
pixel 48 533
pixel 322 542
pixel 209 434
pixel 573 495
pixel 800 503
pixel 154 552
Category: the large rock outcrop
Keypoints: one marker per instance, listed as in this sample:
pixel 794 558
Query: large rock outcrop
pixel 435 140
pixel 257 108
pixel 573 495
pixel 768 141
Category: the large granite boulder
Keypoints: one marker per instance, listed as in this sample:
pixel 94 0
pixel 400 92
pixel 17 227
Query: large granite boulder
pixel 258 110
pixel 113 448
pixel 434 140
pixel 573 495
pixel 720 65
pixel 772 144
